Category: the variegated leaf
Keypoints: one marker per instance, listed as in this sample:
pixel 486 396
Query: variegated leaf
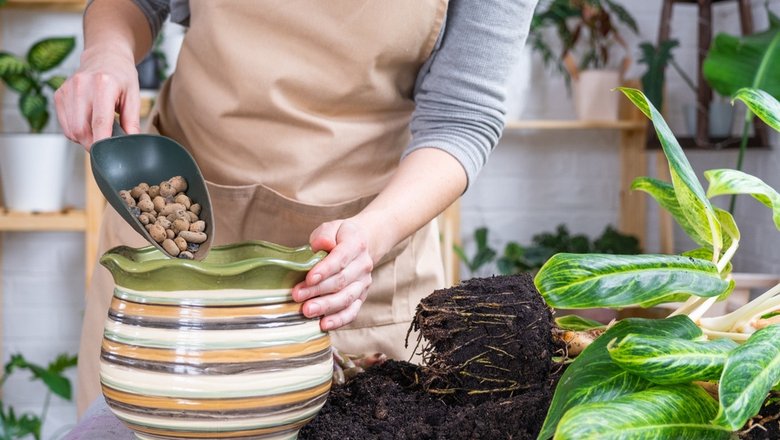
pixel 694 204
pixel 706 254
pixel 682 412
pixel 663 193
pixel 762 104
pixel 750 372
pixel 50 52
pixel 667 361
pixel 11 65
pixel 727 181
pixel 578 281
pixel 594 377
pixel 577 323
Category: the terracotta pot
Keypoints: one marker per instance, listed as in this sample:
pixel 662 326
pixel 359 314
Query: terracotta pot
pixel 213 349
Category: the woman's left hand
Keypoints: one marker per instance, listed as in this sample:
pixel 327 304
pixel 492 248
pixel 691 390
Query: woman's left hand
pixel 336 287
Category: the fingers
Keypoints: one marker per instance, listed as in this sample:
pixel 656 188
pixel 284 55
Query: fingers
pixel 130 111
pixel 350 245
pixel 106 97
pixel 324 237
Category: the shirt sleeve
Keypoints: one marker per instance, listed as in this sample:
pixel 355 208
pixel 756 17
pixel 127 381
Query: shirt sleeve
pixel 461 89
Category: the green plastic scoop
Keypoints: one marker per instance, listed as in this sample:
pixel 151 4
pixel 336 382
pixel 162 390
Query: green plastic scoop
pixel 123 161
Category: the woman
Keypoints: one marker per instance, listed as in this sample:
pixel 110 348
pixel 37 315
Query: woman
pixel 298 113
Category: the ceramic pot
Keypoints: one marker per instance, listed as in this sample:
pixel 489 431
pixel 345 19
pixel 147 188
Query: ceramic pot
pixel 215 348
pixel 35 171
pixel 594 99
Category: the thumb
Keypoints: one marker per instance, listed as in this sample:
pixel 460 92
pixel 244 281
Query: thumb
pixel 324 237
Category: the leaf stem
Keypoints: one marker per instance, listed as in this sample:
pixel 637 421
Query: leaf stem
pixel 730 320
pixel 741 155
pixel 691 304
pixel 699 311
pixel 726 258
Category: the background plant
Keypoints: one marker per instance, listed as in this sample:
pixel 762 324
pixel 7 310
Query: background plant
pixel 736 62
pixel 16 426
pixel 640 377
pixel 26 77
pixel 518 258
pixel 585 26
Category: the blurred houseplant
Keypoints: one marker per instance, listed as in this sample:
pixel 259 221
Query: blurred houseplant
pixel 585 29
pixel 34 166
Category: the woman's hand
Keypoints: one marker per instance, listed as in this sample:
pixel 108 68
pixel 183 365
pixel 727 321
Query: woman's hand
pixel 336 287
pixel 106 82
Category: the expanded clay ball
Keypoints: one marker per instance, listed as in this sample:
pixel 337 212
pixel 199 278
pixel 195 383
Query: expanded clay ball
pixel 169 214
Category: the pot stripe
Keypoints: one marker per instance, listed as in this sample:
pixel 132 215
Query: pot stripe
pixel 129 308
pixel 196 357
pixel 240 404
pixel 247 367
pixel 212 339
pixel 226 297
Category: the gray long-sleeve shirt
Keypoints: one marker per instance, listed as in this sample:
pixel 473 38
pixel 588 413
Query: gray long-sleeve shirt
pixel 460 90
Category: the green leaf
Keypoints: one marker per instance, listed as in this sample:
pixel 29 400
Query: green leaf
pixel 578 323
pixel 577 281
pixel 667 361
pixel 680 412
pixel 33 106
pixel 734 62
pixel 64 361
pixel 20 82
pixel 49 53
pixel 56 382
pixel 750 372
pixel 727 181
pixel 594 377
pixel 695 206
pixel 55 81
pixel 663 193
pixel 654 77
pixel 706 254
pixel 11 65
pixel 762 104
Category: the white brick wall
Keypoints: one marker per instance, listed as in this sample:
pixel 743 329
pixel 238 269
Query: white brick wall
pixel 533 181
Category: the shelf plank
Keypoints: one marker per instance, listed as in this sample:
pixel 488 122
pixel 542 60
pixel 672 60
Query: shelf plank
pixel 49 5
pixel 574 124
pixel 70 220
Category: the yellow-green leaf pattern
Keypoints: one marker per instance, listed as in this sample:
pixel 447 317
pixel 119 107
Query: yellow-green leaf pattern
pixel 667 361
pixel 727 181
pixel 762 104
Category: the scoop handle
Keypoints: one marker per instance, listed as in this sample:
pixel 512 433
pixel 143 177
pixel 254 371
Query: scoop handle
pixel 116 129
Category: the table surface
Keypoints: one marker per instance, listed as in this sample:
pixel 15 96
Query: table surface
pixel 99 423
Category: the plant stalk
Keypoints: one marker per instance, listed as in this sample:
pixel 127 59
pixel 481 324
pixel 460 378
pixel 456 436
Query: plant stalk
pixel 741 155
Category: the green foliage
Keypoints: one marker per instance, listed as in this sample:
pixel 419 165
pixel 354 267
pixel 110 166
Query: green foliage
pixel 484 254
pixel 611 389
pixel 654 77
pixel 578 323
pixel 517 258
pixel 14 426
pixel 25 76
pixel 585 25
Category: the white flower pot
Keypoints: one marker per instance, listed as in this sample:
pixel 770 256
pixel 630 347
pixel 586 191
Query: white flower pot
pixel 35 170
pixel 594 99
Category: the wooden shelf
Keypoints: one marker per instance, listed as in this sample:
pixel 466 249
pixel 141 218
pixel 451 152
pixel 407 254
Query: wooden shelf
pixel 69 220
pixel 51 5
pixel 574 124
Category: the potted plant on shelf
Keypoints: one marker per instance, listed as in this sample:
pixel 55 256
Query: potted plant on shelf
pixel 588 37
pixel 35 166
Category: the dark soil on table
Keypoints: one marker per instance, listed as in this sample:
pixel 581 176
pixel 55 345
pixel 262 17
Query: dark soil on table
pixel 487 372
pixel 766 425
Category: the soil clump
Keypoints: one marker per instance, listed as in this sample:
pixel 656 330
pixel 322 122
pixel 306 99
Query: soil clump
pixel 487 351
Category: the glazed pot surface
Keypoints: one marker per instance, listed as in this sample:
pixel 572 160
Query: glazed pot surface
pixel 214 348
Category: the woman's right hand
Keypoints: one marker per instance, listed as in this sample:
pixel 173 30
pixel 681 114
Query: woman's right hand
pixel 106 82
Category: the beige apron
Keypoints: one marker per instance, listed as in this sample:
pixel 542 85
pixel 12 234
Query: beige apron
pixel 297 113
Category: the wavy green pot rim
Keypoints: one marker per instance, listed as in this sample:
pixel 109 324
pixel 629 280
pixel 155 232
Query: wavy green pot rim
pixel 247 265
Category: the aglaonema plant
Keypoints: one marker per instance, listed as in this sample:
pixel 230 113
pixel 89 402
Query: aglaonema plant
pixel 645 378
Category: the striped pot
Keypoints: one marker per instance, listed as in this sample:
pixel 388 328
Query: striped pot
pixel 215 348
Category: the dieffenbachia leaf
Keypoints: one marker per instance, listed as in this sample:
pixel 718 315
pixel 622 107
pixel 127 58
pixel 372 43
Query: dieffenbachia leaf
pixel 667 361
pixel 577 323
pixel 663 193
pixel 594 377
pixel 750 372
pixel 762 104
pixel 706 254
pixel 577 281
pixel 727 225
pixel 727 181
pixel 681 412
pixel 11 65
pixel 50 52
pixel 690 195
